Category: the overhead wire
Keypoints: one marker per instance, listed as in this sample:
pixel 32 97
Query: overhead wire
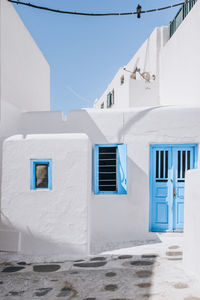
pixel 97 14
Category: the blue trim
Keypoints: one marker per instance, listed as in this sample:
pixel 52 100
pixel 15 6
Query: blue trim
pixel 122 169
pixel 173 145
pixel 195 156
pixel 150 185
pixel 96 168
pixel 151 170
pixel 33 163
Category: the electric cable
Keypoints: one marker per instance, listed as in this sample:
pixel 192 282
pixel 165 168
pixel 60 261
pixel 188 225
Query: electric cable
pixel 98 14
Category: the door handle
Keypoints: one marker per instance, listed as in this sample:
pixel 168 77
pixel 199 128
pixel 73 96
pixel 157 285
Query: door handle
pixel 174 192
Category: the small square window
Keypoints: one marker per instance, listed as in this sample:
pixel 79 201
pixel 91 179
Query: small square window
pixel 41 174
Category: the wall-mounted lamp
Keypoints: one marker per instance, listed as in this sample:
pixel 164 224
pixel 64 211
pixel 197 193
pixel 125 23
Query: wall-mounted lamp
pixel 145 75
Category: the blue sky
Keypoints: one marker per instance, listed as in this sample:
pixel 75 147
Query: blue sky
pixel 84 53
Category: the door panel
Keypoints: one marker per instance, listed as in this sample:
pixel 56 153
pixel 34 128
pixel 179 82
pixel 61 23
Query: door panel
pixel 161 220
pixel 168 166
pixel 183 161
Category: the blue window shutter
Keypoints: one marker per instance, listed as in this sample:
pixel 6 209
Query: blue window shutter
pixel 122 169
pixel 50 174
pixel 96 169
pixel 32 174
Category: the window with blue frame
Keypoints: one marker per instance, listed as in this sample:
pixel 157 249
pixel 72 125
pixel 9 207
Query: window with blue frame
pixel 41 174
pixel 110 169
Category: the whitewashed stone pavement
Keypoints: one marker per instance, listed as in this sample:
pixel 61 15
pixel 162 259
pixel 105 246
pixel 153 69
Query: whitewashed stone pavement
pixel 149 271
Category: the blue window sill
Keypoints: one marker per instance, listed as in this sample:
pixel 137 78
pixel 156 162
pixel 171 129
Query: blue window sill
pixel 109 193
pixel 43 190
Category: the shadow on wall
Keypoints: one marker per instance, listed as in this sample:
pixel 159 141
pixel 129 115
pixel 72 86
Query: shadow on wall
pixel 1 147
pixel 81 122
pixel 130 215
pixel 112 246
pixel 39 247
pixel 78 121
pixel 126 217
pixel 139 115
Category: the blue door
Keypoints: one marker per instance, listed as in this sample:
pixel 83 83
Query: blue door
pixel 168 164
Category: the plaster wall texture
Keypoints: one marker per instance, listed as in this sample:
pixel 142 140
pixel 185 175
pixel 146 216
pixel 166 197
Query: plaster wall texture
pixel 127 216
pixel 147 57
pixel 117 218
pixel 49 221
pixel 192 223
pixel 132 92
pixel 10 116
pixel 10 119
pixel 24 74
pixel 180 63
pixel 143 93
pixel 24 69
pixel 121 91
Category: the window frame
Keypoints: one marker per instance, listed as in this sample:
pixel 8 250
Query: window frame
pixel 119 191
pixel 109 100
pixel 33 163
pixel 102 105
pixel 113 96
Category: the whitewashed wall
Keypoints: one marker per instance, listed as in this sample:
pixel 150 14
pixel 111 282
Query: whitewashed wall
pixel 147 57
pixel 49 221
pixel 192 223
pixel 174 61
pixel 180 63
pixel 143 93
pixel 25 73
pixel 117 218
pixel 121 92
pixel 126 217
pixel 135 92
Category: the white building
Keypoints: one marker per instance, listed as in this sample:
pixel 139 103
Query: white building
pixel 164 71
pixel 102 177
pixel 129 87
pixel 24 82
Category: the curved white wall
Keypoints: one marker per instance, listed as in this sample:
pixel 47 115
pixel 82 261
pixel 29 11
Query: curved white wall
pixel 49 221
pixel 114 218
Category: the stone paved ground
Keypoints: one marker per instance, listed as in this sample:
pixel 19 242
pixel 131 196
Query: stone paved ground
pixel 151 271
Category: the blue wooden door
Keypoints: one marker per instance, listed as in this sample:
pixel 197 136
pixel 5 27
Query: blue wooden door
pixel 183 157
pixel 162 188
pixel 168 164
